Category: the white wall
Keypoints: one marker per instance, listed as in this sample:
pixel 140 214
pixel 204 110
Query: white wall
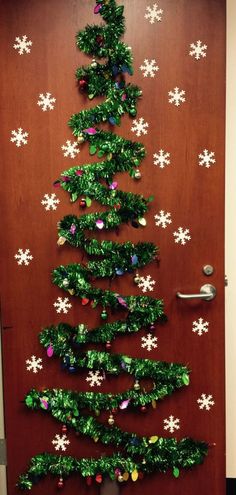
pixel 3 490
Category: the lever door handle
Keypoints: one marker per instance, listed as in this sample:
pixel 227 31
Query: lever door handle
pixel 207 292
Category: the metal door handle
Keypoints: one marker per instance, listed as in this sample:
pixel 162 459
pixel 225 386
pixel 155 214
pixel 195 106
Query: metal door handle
pixel 207 292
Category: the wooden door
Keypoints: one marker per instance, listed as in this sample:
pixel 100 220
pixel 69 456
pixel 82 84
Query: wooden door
pixel 188 188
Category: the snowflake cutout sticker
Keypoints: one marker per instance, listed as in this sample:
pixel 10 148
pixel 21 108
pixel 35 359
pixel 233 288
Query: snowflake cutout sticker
pixel 206 158
pixel 200 326
pixel 46 102
pixel 171 424
pixel 182 236
pixel 95 378
pixel 60 442
pixel 50 202
pixel 34 364
pixel 177 96
pixel 198 50
pixel 146 284
pixel 149 342
pixel 139 127
pixel 19 137
pixel 22 45
pixel 149 68
pixel 62 305
pixel 163 219
pixel 70 149
pixel 162 158
pixel 153 13
pixel 206 402
pixel 23 257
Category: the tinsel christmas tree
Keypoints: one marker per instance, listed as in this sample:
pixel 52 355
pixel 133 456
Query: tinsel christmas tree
pixel 134 455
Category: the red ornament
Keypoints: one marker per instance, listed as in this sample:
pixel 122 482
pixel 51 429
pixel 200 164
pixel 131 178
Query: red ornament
pixel 64 429
pixel 143 409
pixel 83 85
pixel 84 301
pixel 108 345
pixel 100 40
pixel 98 478
pixel 82 203
pixel 114 410
pixel 60 483
pixel 89 480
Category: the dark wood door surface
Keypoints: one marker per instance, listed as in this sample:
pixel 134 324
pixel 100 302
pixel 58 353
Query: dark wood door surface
pixel 191 193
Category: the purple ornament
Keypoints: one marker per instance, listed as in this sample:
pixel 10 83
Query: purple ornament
pixel 122 302
pixel 65 178
pixel 44 403
pixel 91 131
pixel 124 97
pixel 97 9
pixel 79 172
pixel 113 185
pixel 100 224
pixel 134 259
pixel 73 229
pixel 124 404
pixel 50 351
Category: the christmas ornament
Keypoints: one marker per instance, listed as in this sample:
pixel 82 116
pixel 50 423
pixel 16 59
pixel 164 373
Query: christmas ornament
pixel 111 420
pixel 82 203
pixel 80 140
pixel 64 429
pixel 108 345
pixel 104 314
pixel 60 483
pixel 143 409
pixel 136 385
pixel 137 174
pixel 83 84
pixel 94 64
pixel 136 278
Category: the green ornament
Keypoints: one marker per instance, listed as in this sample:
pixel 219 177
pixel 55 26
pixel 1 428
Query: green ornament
pixel 104 314
pixel 176 472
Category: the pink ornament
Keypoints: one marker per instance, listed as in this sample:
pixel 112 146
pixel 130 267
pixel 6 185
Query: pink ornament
pixel 50 351
pixel 73 229
pixel 124 404
pixel 113 185
pixel 44 403
pixel 97 9
pixel 122 301
pixel 90 131
pixel 65 178
pixel 124 97
pixel 79 172
pixel 100 224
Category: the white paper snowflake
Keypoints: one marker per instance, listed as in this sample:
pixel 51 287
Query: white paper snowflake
pixel 198 50
pixel 153 13
pixel 149 342
pixel 162 158
pixel 206 158
pixel 177 96
pixel 200 326
pixel 182 236
pixel 19 137
pixel 62 305
pixel 22 45
pixel 171 424
pixel 34 364
pixel 139 127
pixel 146 283
pixel 95 378
pixel 149 68
pixel 60 442
pixel 46 101
pixel 70 149
pixel 50 202
pixel 206 402
pixel 23 257
pixel 163 219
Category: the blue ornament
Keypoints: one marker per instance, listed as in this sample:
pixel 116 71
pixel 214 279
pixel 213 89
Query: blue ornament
pixel 112 120
pixel 119 271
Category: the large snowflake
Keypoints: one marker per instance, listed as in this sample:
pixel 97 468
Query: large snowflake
pixel 146 283
pixel 50 202
pixel 162 158
pixel 206 158
pixel 46 101
pixel 149 342
pixel 198 50
pixel 95 378
pixel 163 219
pixel 60 442
pixel 200 326
pixel 149 68
pixel 206 402
pixel 139 127
pixel 34 364
pixel 19 137
pixel 171 424
pixel 23 257
pixel 182 236
pixel 22 45
pixel 153 13
pixel 177 96
pixel 62 305
pixel 70 149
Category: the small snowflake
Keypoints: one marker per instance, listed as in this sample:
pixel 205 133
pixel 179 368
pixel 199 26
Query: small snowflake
pixel 60 442
pixel 62 305
pixel 206 158
pixel 200 326
pixel 46 101
pixel 70 149
pixel 198 50
pixel 95 378
pixel 22 45
pixel 23 257
pixel 34 364
pixel 50 202
pixel 153 13
pixel 146 283
pixel 161 158
pixel 19 137
pixel 205 402
pixel 140 127
pixel 149 68
pixel 171 424
pixel 149 342
pixel 163 219
pixel 177 96
pixel 182 236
